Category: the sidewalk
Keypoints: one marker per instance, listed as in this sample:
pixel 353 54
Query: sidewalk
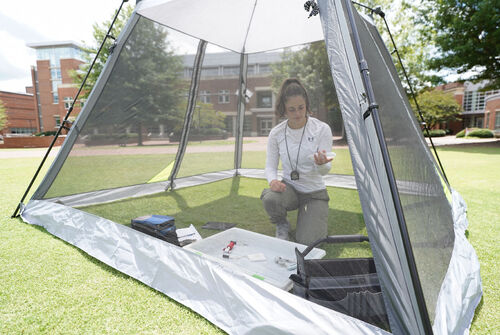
pixel 253 144
pixel 452 140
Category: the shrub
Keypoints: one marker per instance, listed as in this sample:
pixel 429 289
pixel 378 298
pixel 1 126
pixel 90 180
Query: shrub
pixel 481 133
pixel 46 133
pixel 461 133
pixel 476 132
pixel 435 133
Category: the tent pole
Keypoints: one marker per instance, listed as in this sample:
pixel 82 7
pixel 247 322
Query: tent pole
pixel 373 111
pixel 241 111
pixel 377 10
pixel 65 120
pixel 191 104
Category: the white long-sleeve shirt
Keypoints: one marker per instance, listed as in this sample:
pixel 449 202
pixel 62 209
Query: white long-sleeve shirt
pixel 317 136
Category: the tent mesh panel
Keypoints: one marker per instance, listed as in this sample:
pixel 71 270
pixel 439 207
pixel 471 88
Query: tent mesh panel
pixel 422 191
pixel 129 135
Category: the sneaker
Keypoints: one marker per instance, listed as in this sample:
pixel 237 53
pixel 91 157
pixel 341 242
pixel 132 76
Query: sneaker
pixel 282 230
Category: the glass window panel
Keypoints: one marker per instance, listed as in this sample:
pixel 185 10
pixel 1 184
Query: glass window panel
pixel 264 99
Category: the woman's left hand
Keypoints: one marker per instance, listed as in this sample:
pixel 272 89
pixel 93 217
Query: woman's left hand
pixel 320 158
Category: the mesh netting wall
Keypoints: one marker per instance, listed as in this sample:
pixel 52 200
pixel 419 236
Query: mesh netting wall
pixel 131 134
pixel 211 144
pixel 421 189
pixel 266 72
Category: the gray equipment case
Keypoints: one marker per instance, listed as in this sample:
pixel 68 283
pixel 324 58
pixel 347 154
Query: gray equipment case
pixel 347 285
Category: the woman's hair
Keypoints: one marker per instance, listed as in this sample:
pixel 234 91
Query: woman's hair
pixel 290 87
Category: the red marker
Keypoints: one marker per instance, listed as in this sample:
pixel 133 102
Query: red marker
pixel 227 250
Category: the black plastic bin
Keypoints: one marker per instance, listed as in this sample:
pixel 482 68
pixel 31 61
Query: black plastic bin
pixel 347 285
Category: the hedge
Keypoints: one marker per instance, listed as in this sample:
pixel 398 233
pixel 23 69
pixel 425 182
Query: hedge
pixel 482 133
pixel 46 133
pixel 476 132
pixel 435 133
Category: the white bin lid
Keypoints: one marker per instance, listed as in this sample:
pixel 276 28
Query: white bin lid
pixel 251 243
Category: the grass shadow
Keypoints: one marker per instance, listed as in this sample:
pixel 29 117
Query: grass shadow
pixel 478 309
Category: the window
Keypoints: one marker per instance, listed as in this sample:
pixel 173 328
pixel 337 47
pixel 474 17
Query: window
pixel 57 118
pixel 55 94
pixel 205 97
pixel 223 96
pixel 497 120
pixel 247 124
pixel 229 124
pixel 210 72
pixel 487 121
pixel 265 126
pixel 264 99
pixel 474 100
pixel 22 130
pixel 478 122
pixel 55 73
pixel 264 68
pixel 67 102
pixel 231 70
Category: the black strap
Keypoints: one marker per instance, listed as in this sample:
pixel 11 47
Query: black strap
pixel 298 151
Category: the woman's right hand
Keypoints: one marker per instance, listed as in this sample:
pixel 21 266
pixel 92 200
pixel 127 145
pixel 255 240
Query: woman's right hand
pixel 277 186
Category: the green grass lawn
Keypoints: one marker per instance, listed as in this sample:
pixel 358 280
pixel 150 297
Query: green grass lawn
pixel 237 200
pixel 49 286
pixel 90 173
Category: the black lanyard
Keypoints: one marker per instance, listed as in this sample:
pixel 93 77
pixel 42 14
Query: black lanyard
pixel 294 175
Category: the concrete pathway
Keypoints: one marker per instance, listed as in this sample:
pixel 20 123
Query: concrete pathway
pixel 452 140
pixel 253 144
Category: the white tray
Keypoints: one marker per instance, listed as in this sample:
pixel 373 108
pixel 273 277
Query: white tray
pixel 248 243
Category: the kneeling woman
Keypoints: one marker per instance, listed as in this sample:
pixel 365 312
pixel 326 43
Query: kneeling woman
pixel 302 143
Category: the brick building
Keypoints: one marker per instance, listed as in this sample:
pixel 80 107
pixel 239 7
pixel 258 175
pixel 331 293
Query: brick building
pixel 21 113
pixel 52 85
pixel 219 86
pixel 481 109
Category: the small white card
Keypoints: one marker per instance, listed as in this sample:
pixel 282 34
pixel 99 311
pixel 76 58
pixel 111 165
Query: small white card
pixel 259 257
pixel 189 233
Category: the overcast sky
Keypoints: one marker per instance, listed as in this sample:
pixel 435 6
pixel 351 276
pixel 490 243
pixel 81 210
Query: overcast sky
pixel 32 21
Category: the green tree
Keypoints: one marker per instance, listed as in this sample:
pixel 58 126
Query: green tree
pixel 437 107
pixel 3 116
pixel 145 88
pixel 90 50
pixel 205 117
pixel 467 36
pixel 208 117
pixel 413 39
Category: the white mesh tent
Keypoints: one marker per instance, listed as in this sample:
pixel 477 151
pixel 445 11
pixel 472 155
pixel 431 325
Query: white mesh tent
pixel 428 272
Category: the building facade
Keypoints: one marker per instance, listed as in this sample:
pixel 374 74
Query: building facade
pixel 53 86
pixel 219 85
pixel 481 109
pixel 21 113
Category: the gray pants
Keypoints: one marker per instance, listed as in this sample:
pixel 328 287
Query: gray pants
pixel 312 219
